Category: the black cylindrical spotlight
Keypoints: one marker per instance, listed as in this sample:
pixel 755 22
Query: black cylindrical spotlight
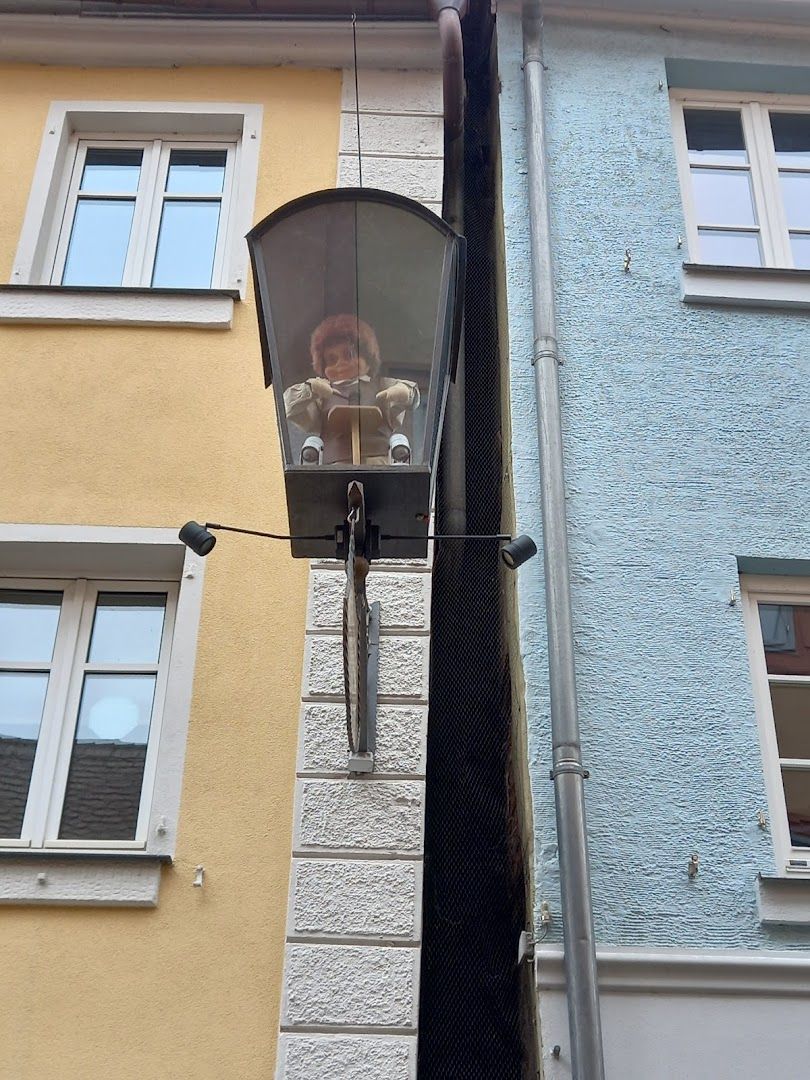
pixel 197 537
pixel 518 551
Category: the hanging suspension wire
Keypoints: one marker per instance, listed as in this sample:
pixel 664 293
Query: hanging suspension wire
pixel 357 100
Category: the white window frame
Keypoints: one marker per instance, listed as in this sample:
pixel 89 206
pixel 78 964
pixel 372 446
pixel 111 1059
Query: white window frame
pixel 149 202
pixel 80 561
pixel 37 297
pixel 763 589
pixel 777 283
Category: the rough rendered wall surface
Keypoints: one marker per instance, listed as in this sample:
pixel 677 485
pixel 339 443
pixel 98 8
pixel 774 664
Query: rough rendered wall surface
pixel 685 446
pixel 351 983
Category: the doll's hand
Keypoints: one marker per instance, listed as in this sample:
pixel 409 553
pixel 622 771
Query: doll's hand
pixel 397 396
pixel 321 389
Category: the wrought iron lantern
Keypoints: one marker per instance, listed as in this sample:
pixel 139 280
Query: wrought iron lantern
pixel 359 296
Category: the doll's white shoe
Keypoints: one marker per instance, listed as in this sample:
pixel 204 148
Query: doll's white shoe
pixel 312 450
pixel 399 450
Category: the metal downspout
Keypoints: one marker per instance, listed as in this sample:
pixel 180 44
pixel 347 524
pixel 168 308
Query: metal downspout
pixel 568 773
pixel 449 14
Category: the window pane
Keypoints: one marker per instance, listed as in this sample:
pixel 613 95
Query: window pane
pixel 729 248
pixel 796 196
pixel 796 783
pixel 196 172
pixel 714 135
pixel 112 171
pixel 106 767
pixel 786 638
pixel 188 239
pixel 99 242
pixel 22 698
pixel 791 138
pixel 127 628
pixel 723 197
pixel 28 622
pixel 791 715
pixel 801 251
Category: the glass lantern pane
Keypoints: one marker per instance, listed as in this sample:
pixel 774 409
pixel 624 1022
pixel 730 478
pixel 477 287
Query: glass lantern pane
pixel 356 321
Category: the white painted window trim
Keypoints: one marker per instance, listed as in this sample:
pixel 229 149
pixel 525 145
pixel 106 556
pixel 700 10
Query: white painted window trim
pixel 764 589
pixel 777 283
pixel 43 555
pixel 68 123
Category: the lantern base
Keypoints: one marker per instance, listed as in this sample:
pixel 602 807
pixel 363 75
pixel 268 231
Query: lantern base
pixel 397 502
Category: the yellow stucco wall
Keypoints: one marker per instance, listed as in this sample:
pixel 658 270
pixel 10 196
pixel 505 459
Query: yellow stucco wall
pixel 149 427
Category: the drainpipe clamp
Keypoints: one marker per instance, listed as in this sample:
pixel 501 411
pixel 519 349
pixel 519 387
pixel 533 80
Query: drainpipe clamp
pixel 567 766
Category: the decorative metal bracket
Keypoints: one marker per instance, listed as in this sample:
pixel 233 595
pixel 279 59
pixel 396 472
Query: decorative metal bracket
pixel 361 636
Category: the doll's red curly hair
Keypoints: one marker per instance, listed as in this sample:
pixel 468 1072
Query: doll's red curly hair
pixel 336 329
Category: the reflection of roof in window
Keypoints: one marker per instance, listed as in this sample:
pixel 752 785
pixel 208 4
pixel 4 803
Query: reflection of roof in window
pixel 776 621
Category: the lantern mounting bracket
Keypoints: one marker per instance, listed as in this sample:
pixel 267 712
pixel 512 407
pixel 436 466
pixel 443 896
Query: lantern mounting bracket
pixel 361 632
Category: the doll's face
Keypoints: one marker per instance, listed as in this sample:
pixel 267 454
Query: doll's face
pixel 342 363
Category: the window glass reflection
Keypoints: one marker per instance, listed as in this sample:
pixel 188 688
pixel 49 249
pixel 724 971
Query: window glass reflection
pixel 196 172
pixel 127 628
pixel 796 784
pixel 186 244
pixel 22 699
pixel 723 197
pixel 791 138
pixel 111 172
pixel 99 240
pixel 796 197
pixel 791 715
pixel 729 248
pixel 715 135
pixel 103 791
pixel 28 624
pixel 786 638
pixel 800 246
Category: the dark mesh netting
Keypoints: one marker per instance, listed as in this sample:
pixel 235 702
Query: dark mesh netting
pixel 475 1002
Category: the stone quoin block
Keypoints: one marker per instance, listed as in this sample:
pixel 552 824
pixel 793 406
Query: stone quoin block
pixel 350 985
pixel 347 1057
pixel 356 898
pixel 401 736
pixel 416 178
pixel 389 133
pixel 403 667
pixel 384 91
pixel 404 600
pixel 359 815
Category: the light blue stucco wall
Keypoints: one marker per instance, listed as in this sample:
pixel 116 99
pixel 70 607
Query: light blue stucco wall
pixel 685 446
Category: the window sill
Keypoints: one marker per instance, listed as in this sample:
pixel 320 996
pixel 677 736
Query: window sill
pixel 783 901
pixel 80 878
pixel 745 286
pixel 210 309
